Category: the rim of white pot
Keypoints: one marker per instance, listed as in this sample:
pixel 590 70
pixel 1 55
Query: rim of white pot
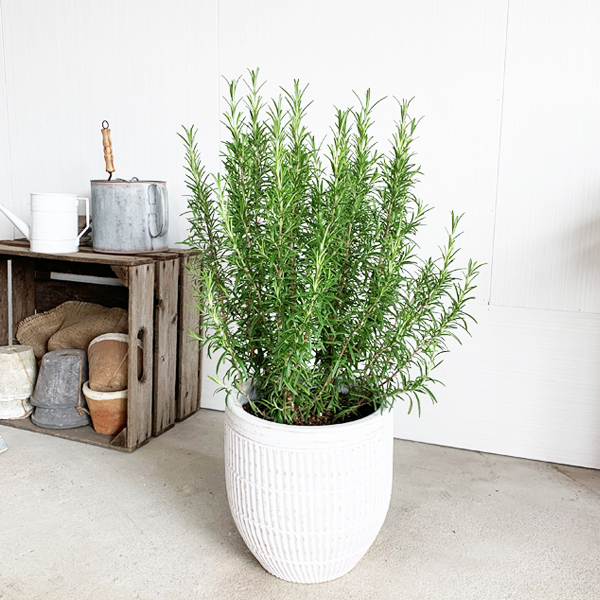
pixel 301 435
pixel 119 337
pixel 100 396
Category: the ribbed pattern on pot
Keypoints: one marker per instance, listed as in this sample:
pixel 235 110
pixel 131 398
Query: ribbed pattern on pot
pixel 309 516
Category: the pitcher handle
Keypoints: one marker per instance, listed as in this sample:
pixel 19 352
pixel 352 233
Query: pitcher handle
pixel 160 224
pixel 87 217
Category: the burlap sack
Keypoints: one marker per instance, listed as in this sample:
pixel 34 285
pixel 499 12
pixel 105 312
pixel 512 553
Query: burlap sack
pixel 70 325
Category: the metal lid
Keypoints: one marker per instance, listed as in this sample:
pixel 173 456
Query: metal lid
pixel 115 182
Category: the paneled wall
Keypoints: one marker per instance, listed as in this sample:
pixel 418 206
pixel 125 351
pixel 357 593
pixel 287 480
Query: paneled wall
pixel 146 67
pixel 509 90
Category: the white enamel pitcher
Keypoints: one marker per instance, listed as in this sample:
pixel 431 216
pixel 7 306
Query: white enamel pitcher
pixel 54 223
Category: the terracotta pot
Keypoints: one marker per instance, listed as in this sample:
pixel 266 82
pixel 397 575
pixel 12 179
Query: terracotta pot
pixel 108 357
pixel 107 409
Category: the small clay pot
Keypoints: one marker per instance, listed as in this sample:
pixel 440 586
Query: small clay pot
pixel 108 409
pixel 108 357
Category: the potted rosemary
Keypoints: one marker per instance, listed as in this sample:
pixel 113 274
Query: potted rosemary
pixel 323 313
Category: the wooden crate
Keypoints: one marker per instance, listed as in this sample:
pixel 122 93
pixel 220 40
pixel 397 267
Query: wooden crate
pixel 189 366
pixel 152 286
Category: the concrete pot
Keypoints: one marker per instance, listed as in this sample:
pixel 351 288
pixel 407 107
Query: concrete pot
pixel 60 418
pixel 18 371
pixel 109 363
pixel 15 409
pixel 308 501
pixel 108 409
pixel 62 373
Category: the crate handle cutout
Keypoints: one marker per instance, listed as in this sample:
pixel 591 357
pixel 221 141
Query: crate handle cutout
pixel 140 337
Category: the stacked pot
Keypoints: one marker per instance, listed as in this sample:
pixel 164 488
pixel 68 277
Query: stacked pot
pixel 58 401
pixel 18 370
pixel 106 390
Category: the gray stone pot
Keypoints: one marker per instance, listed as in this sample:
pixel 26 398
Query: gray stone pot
pixel 59 418
pixel 61 377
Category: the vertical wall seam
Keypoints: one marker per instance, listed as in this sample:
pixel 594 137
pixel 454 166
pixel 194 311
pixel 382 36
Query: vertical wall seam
pixel 10 173
pixel 8 142
pixel 219 77
pixel 499 152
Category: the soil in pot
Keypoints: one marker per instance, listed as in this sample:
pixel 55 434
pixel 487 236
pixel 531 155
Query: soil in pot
pixel 324 418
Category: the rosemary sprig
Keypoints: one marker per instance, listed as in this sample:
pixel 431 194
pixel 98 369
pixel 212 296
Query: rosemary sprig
pixel 307 273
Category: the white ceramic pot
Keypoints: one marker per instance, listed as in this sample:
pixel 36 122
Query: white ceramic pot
pixel 18 371
pixel 308 501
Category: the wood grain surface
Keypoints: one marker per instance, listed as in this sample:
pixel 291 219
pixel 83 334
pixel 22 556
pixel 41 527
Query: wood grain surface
pixel 50 293
pixel 190 359
pixel 19 248
pixel 4 300
pixel 23 289
pixel 165 344
pixel 141 319
pixel 79 434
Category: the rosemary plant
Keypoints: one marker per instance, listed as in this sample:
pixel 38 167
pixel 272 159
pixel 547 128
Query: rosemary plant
pixel 307 273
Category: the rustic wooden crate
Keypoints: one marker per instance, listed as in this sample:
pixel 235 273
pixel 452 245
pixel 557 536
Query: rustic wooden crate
pixel 151 293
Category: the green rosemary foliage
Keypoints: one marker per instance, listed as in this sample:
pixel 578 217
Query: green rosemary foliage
pixel 307 272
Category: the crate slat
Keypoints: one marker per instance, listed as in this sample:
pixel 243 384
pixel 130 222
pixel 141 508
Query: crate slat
pixel 141 319
pixel 19 248
pixel 23 290
pixel 165 344
pixel 190 358
pixel 50 293
pixel 4 332
pixel 74 268
pixel 78 434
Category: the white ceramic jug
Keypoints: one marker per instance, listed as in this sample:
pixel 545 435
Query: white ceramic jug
pixel 54 223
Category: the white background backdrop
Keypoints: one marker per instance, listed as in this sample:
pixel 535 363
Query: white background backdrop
pixel 510 91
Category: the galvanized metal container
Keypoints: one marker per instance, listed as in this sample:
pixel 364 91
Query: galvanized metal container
pixel 130 216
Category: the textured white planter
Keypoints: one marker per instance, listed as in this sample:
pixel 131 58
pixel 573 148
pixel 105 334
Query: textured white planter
pixel 308 501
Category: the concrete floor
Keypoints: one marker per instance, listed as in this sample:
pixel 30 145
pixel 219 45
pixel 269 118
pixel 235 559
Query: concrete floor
pixel 79 522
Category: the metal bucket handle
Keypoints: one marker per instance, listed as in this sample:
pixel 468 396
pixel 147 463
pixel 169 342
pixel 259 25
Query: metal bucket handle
pixel 162 216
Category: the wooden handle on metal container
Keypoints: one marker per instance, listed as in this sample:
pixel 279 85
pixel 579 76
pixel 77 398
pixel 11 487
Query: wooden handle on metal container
pixel 108 153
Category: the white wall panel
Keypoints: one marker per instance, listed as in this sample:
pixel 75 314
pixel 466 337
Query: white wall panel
pixel 526 384
pixel 510 135
pixel 547 243
pixel 146 67
pixel 448 55
pixel 5 159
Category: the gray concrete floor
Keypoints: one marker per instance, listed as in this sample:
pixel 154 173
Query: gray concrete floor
pixel 79 522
